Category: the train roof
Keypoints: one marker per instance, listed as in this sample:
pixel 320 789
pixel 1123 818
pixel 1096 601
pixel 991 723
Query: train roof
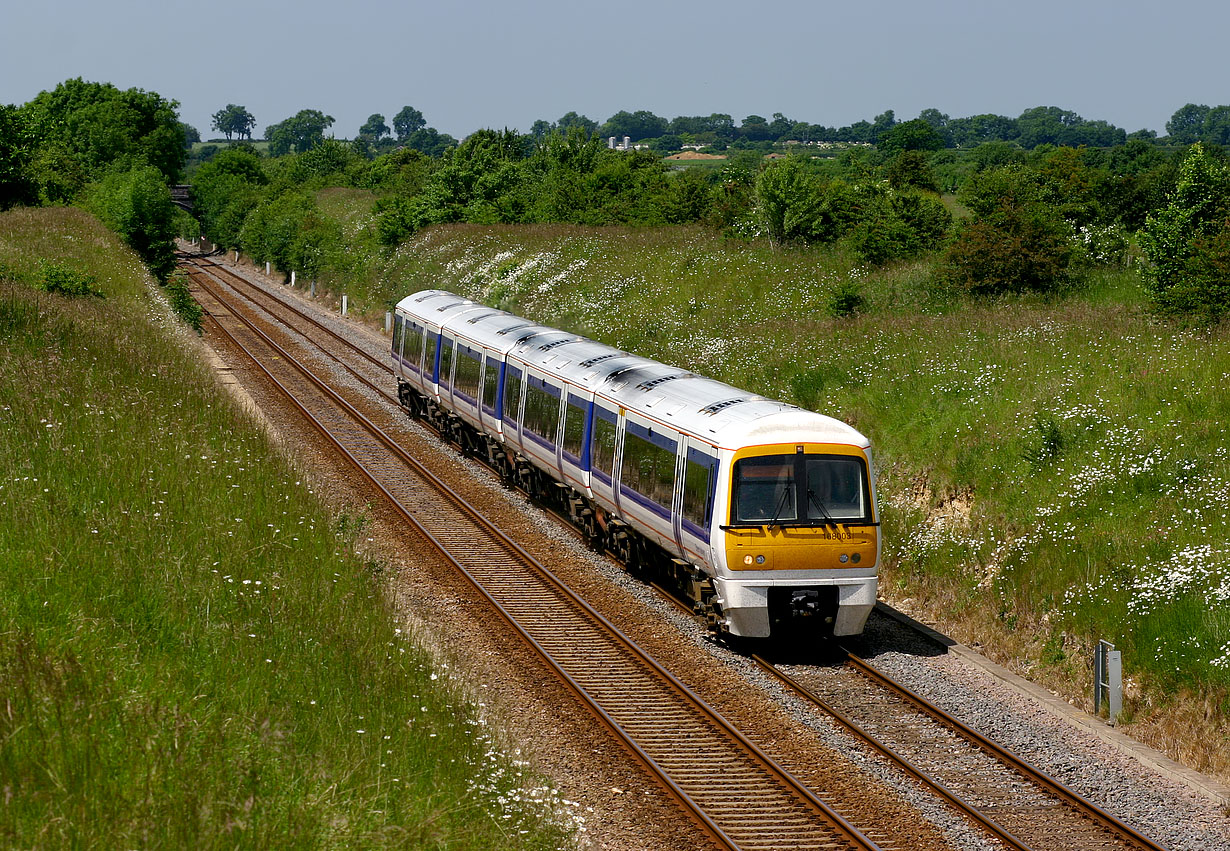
pixel 687 400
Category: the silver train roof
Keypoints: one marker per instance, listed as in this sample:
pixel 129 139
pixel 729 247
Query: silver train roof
pixel 687 400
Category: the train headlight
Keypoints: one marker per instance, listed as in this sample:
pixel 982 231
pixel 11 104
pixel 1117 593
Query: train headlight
pixel 843 558
pixel 759 559
pixel 856 558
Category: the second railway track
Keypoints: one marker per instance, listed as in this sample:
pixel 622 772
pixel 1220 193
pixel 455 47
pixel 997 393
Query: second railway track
pixel 740 796
pixel 1016 805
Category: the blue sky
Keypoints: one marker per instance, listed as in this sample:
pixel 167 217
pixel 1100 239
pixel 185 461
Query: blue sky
pixel 505 64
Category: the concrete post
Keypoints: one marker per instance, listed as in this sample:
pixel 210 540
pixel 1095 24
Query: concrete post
pixel 266 268
pixel 292 277
pixel 344 305
pixel 388 322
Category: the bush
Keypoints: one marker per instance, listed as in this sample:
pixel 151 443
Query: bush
pixel 137 205
pixel 63 280
pixel 182 302
pixel 1014 250
pixel 1186 241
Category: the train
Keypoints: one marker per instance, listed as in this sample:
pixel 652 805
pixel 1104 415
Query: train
pixel 758 513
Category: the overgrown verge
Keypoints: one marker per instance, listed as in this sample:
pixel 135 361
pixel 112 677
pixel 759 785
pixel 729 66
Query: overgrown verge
pixel 1054 471
pixel 191 654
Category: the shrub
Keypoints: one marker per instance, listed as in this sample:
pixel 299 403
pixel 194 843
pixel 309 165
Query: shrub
pixel 137 205
pixel 1017 249
pixel 846 299
pixel 63 280
pixel 182 302
pixel 1185 242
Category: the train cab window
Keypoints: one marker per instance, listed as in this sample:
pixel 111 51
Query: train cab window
pixel 765 489
pixel 835 488
pixel 801 490
pixel 602 441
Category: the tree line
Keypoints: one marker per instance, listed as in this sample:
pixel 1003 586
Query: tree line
pixel 1028 218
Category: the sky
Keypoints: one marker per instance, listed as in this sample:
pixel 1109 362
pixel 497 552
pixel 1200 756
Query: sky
pixel 469 65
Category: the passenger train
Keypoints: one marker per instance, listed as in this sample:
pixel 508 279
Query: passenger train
pixel 760 513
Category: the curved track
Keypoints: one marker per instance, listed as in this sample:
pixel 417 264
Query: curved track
pixel 1018 804
pixel 739 796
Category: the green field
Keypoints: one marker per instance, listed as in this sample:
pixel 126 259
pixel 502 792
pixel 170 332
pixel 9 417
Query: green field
pixel 1052 472
pixel 191 651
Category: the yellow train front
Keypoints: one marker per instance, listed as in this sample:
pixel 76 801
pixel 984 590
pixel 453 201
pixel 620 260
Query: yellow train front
pixel 798 547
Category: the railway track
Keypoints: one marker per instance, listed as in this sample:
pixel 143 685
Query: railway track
pixel 737 795
pixel 1016 803
pixel 1019 806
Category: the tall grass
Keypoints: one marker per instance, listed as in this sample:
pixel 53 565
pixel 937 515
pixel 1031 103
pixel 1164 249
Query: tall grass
pixel 191 653
pixel 1059 464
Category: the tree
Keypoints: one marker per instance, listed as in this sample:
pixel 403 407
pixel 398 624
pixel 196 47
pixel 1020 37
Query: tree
pixel 191 135
pixel 408 121
pixel 1187 124
pixel 916 135
pixel 87 129
pixel 1187 241
pixel 1015 243
pixel 638 125
pixel 17 185
pixel 374 128
pixel 137 205
pixel 788 201
pixel 571 119
pixel 234 120
pixel 301 132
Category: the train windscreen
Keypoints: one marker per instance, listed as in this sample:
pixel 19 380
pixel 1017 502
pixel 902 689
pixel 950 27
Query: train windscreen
pixel 800 490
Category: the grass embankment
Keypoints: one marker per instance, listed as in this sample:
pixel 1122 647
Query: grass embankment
pixel 1052 473
pixel 191 655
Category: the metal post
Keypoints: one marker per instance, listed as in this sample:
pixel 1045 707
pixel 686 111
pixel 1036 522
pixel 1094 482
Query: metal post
pixel 236 255
pixel 292 277
pixel 266 268
pixel 313 289
pixel 1108 678
pixel 343 305
pixel 388 322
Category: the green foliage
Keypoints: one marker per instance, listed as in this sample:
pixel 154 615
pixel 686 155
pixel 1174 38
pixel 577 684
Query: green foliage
pixel 16 153
pixel 789 201
pixel 182 302
pixel 407 122
pixel 916 135
pixel 374 128
pixel 1015 244
pixel 85 129
pixel 234 120
pixel 846 299
pixel 137 205
pixel 65 280
pixel 300 133
pixel 1051 445
pixel 1186 241
pixel 911 169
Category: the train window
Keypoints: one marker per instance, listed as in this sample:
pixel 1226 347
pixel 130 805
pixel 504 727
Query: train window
pixel 602 440
pixel 765 489
pixel 412 348
pixel 541 408
pixel 429 362
pixel 648 468
pixel 698 488
pixel 835 488
pixel 446 362
pixel 399 330
pixel 574 425
pixel 491 383
pixel 468 367
pixel 512 395
pixel 800 489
